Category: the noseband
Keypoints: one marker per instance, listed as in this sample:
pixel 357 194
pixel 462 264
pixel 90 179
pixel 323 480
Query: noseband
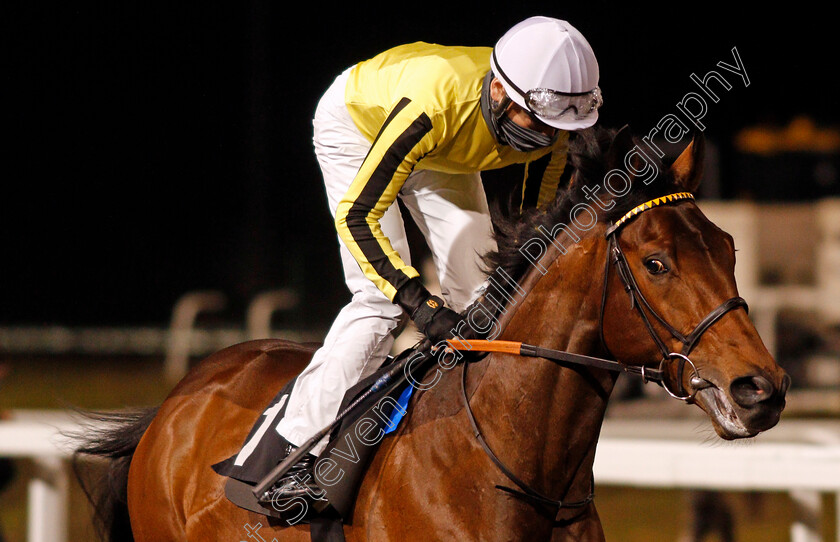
pixel 638 302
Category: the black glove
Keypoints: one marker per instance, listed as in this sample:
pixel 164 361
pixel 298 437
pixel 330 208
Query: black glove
pixel 430 315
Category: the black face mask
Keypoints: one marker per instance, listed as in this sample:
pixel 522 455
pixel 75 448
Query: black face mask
pixel 504 130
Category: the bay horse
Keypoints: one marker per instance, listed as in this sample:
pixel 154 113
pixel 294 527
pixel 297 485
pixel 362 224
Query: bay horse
pixel 433 479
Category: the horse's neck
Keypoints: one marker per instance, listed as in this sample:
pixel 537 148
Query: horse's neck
pixel 550 415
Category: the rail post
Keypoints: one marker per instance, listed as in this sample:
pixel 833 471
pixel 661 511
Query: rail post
pixel 47 518
pixel 184 315
pixel 263 307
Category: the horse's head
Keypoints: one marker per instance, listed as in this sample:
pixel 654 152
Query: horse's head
pixel 680 267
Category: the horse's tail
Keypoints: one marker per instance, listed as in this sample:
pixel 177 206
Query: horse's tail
pixel 112 436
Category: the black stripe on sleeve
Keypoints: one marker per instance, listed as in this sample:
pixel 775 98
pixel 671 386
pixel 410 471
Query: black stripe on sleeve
pixel 373 190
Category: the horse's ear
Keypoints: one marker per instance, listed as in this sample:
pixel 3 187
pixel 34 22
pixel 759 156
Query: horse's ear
pixel 620 147
pixel 688 167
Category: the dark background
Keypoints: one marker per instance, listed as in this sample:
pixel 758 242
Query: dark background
pixel 151 150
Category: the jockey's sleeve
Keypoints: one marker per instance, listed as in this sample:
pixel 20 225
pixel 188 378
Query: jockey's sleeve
pixel 405 137
pixel 553 171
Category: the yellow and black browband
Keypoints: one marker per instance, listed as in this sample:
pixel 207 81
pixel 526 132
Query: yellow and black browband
pixel 635 211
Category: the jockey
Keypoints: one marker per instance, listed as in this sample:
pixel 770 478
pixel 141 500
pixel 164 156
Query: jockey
pixel 419 122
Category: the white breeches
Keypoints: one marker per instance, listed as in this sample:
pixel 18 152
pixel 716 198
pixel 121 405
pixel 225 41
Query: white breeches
pixel 451 212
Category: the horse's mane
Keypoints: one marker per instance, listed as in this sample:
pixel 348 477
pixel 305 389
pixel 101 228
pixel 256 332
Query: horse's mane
pixel 589 162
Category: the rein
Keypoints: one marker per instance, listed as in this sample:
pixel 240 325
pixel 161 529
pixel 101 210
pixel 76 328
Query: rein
pixel 617 258
pixel 531 351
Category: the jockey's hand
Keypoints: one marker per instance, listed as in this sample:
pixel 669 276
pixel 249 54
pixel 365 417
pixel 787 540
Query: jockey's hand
pixel 443 325
pixel 430 315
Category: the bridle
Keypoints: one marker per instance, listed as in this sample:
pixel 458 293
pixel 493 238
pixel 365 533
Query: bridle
pixel 638 302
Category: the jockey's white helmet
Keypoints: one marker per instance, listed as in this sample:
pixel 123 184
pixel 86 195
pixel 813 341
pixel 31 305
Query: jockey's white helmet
pixel 547 67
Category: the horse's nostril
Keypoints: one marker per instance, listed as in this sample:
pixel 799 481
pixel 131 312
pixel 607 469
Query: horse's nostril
pixel 751 390
pixel 785 385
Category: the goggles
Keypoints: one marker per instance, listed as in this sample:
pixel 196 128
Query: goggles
pixel 554 104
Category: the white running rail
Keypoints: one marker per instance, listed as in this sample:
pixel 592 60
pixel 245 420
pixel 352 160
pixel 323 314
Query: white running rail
pixel 798 457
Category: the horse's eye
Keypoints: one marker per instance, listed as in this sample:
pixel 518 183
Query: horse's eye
pixel 655 267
